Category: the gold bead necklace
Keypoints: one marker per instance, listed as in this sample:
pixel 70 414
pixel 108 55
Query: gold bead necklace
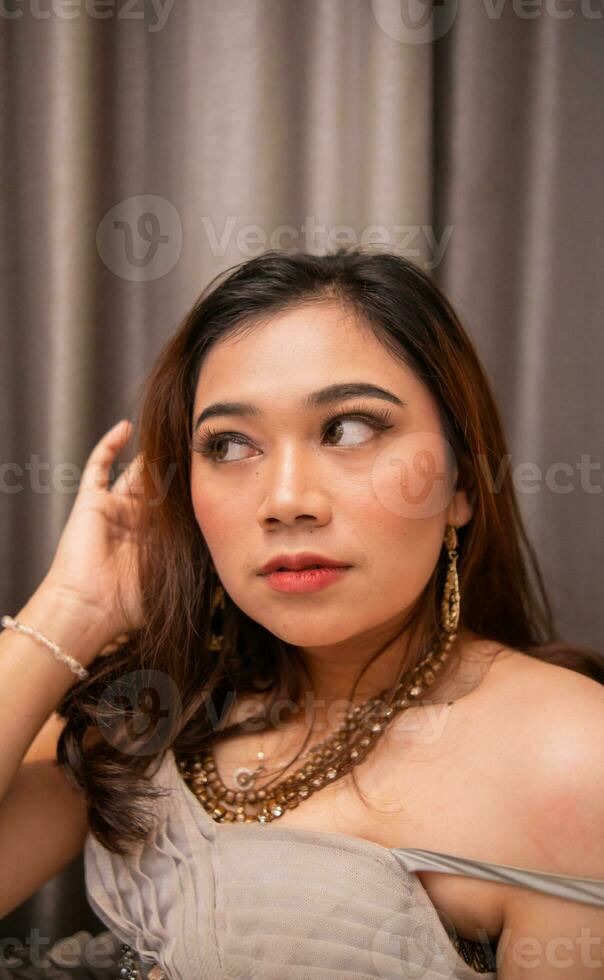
pixel 332 758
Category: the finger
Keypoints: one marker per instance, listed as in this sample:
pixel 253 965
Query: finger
pixel 130 480
pixel 95 477
pixel 115 643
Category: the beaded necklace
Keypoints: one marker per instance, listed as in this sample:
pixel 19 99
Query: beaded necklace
pixel 331 759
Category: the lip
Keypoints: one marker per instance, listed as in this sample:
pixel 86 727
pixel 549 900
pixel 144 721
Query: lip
pixel 306 580
pixel 299 561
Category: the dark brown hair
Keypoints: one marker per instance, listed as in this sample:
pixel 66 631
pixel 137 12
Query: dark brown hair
pixel 166 673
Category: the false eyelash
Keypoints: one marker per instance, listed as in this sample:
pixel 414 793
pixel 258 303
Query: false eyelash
pixel 378 418
pixel 205 444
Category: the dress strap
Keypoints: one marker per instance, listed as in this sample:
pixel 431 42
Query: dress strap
pixel 587 890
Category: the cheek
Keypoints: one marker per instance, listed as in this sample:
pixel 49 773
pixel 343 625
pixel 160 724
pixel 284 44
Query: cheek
pixel 413 477
pixel 215 514
pixel 399 553
pixel 225 523
pixel 401 556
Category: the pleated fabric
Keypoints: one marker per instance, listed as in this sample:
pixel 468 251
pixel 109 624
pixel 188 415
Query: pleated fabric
pixel 243 901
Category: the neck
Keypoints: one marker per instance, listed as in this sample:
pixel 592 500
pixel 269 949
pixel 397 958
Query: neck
pixel 333 670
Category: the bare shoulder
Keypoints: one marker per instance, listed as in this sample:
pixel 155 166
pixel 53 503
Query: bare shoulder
pixel 535 691
pixel 547 729
pixel 505 678
pixel 546 733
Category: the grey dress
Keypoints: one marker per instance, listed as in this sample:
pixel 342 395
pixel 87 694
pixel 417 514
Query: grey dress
pixel 203 900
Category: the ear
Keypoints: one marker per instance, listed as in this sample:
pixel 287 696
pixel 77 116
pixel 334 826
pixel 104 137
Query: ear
pixel 460 509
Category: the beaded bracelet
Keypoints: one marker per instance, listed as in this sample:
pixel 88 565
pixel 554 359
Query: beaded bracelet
pixel 8 621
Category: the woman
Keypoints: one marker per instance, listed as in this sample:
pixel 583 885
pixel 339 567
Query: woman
pixel 404 715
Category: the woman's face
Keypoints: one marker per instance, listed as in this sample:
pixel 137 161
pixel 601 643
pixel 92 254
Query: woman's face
pixel 283 481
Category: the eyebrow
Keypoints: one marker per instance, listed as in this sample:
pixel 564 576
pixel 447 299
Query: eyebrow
pixel 324 396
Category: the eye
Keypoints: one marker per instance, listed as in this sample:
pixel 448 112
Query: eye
pixel 339 425
pixel 378 420
pixel 210 443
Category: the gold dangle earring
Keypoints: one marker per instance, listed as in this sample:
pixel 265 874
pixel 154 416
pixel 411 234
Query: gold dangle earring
pixel 451 600
pixel 218 602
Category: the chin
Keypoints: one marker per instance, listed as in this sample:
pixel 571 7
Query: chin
pixel 315 634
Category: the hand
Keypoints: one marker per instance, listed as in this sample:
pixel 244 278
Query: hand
pixel 95 563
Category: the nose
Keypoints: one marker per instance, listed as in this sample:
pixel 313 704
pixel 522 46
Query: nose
pixel 293 492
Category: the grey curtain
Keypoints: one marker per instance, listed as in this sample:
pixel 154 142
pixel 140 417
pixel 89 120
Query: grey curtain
pixel 518 175
pixel 146 149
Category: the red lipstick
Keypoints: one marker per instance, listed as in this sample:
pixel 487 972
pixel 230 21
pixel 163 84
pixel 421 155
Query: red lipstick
pixel 294 573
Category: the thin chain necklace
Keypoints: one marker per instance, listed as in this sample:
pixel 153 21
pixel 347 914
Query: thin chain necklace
pixel 245 777
pixel 332 758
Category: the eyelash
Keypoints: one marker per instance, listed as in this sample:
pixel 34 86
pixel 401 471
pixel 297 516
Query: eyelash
pixel 379 419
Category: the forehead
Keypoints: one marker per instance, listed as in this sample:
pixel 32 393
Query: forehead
pixel 300 350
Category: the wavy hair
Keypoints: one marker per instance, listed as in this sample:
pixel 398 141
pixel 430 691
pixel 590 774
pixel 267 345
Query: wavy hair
pixel 166 678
